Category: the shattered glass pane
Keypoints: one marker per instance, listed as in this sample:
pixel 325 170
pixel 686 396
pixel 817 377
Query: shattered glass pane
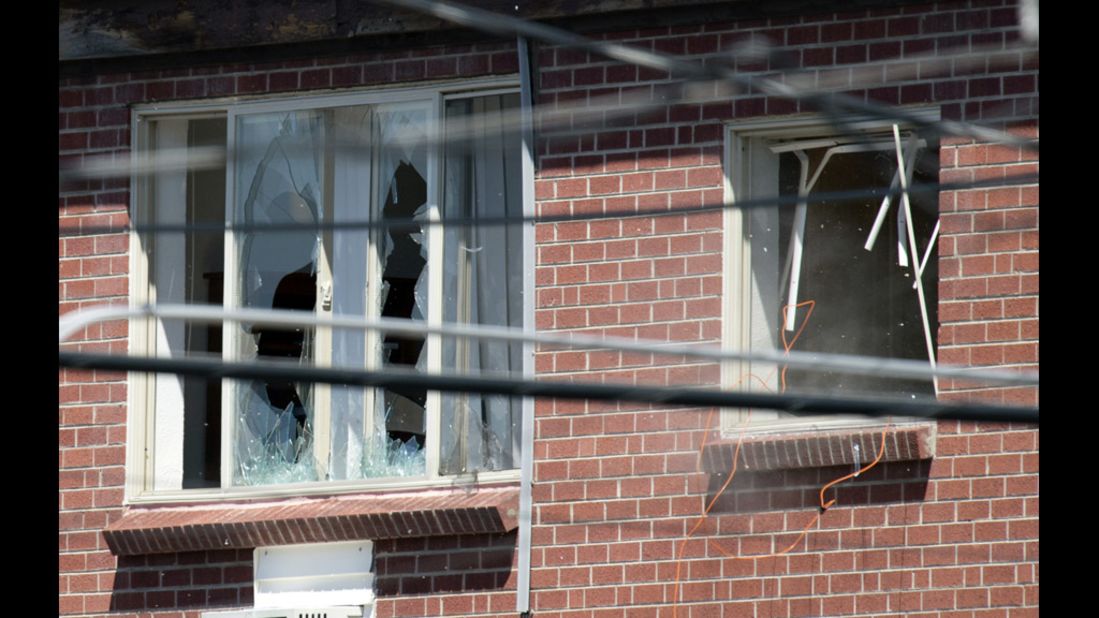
pixel 402 173
pixel 279 165
pixel 357 163
pixel 277 445
pixel 385 456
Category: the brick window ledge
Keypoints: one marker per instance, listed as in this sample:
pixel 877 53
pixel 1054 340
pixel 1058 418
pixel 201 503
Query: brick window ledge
pixel 818 449
pixel 243 525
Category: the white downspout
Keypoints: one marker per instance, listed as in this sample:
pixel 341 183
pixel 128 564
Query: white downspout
pixel 526 458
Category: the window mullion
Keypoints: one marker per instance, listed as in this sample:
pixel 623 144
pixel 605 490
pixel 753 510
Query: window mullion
pixel 230 301
pixel 323 337
pixel 435 236
pixel 375 239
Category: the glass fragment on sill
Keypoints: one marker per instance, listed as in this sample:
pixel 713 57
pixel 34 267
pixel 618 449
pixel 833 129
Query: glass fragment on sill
pixel 385 456
pixel 273 445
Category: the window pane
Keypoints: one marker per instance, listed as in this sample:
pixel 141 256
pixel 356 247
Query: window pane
pixel 188 422
pixel 402 181
pixel 279 171
pixel 483 282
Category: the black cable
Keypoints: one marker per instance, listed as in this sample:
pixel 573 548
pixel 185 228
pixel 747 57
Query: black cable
pixel 414 225
pixel 797 404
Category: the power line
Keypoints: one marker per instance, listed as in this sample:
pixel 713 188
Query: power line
pixel 862 365
pixel 515 387
pixel 416 225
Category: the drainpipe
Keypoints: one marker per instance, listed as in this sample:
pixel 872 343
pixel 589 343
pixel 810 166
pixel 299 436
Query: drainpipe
pixel 526 465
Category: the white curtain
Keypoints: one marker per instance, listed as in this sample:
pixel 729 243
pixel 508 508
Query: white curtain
pixel 483 282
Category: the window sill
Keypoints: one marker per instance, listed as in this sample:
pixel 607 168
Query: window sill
pixel 821 449
pixel 243 525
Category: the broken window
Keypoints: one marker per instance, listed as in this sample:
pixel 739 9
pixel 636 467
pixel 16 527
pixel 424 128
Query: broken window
pixel 836 275
pixel 297 163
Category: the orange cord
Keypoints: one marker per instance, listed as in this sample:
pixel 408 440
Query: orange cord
pixel 881 451
pixel 823 507
pixel 787 346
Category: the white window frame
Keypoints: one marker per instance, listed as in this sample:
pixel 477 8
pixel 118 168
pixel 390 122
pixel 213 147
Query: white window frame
pixel 737 265
pixel 140 459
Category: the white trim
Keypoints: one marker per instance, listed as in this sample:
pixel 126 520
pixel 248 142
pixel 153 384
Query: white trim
pixel 474 94
pixel 356 96
pixel 526 454
pixel 330 488
pixel 433 425
pixel 808 125
pixel 230 299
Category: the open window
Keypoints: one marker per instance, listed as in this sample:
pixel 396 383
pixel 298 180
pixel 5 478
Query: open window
pixel 851 274
pixel 405 156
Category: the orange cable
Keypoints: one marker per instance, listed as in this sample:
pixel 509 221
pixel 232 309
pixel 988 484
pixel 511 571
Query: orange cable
pixel 787 346
pixel 881 451
pixel 804 531
pixel 823 507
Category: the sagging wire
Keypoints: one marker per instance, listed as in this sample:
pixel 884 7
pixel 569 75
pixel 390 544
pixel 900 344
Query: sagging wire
pixel 824 506
pixel 73 322
pixel 398 224
pixel 700 397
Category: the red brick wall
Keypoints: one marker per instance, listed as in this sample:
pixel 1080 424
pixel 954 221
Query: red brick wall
pixel 618 486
